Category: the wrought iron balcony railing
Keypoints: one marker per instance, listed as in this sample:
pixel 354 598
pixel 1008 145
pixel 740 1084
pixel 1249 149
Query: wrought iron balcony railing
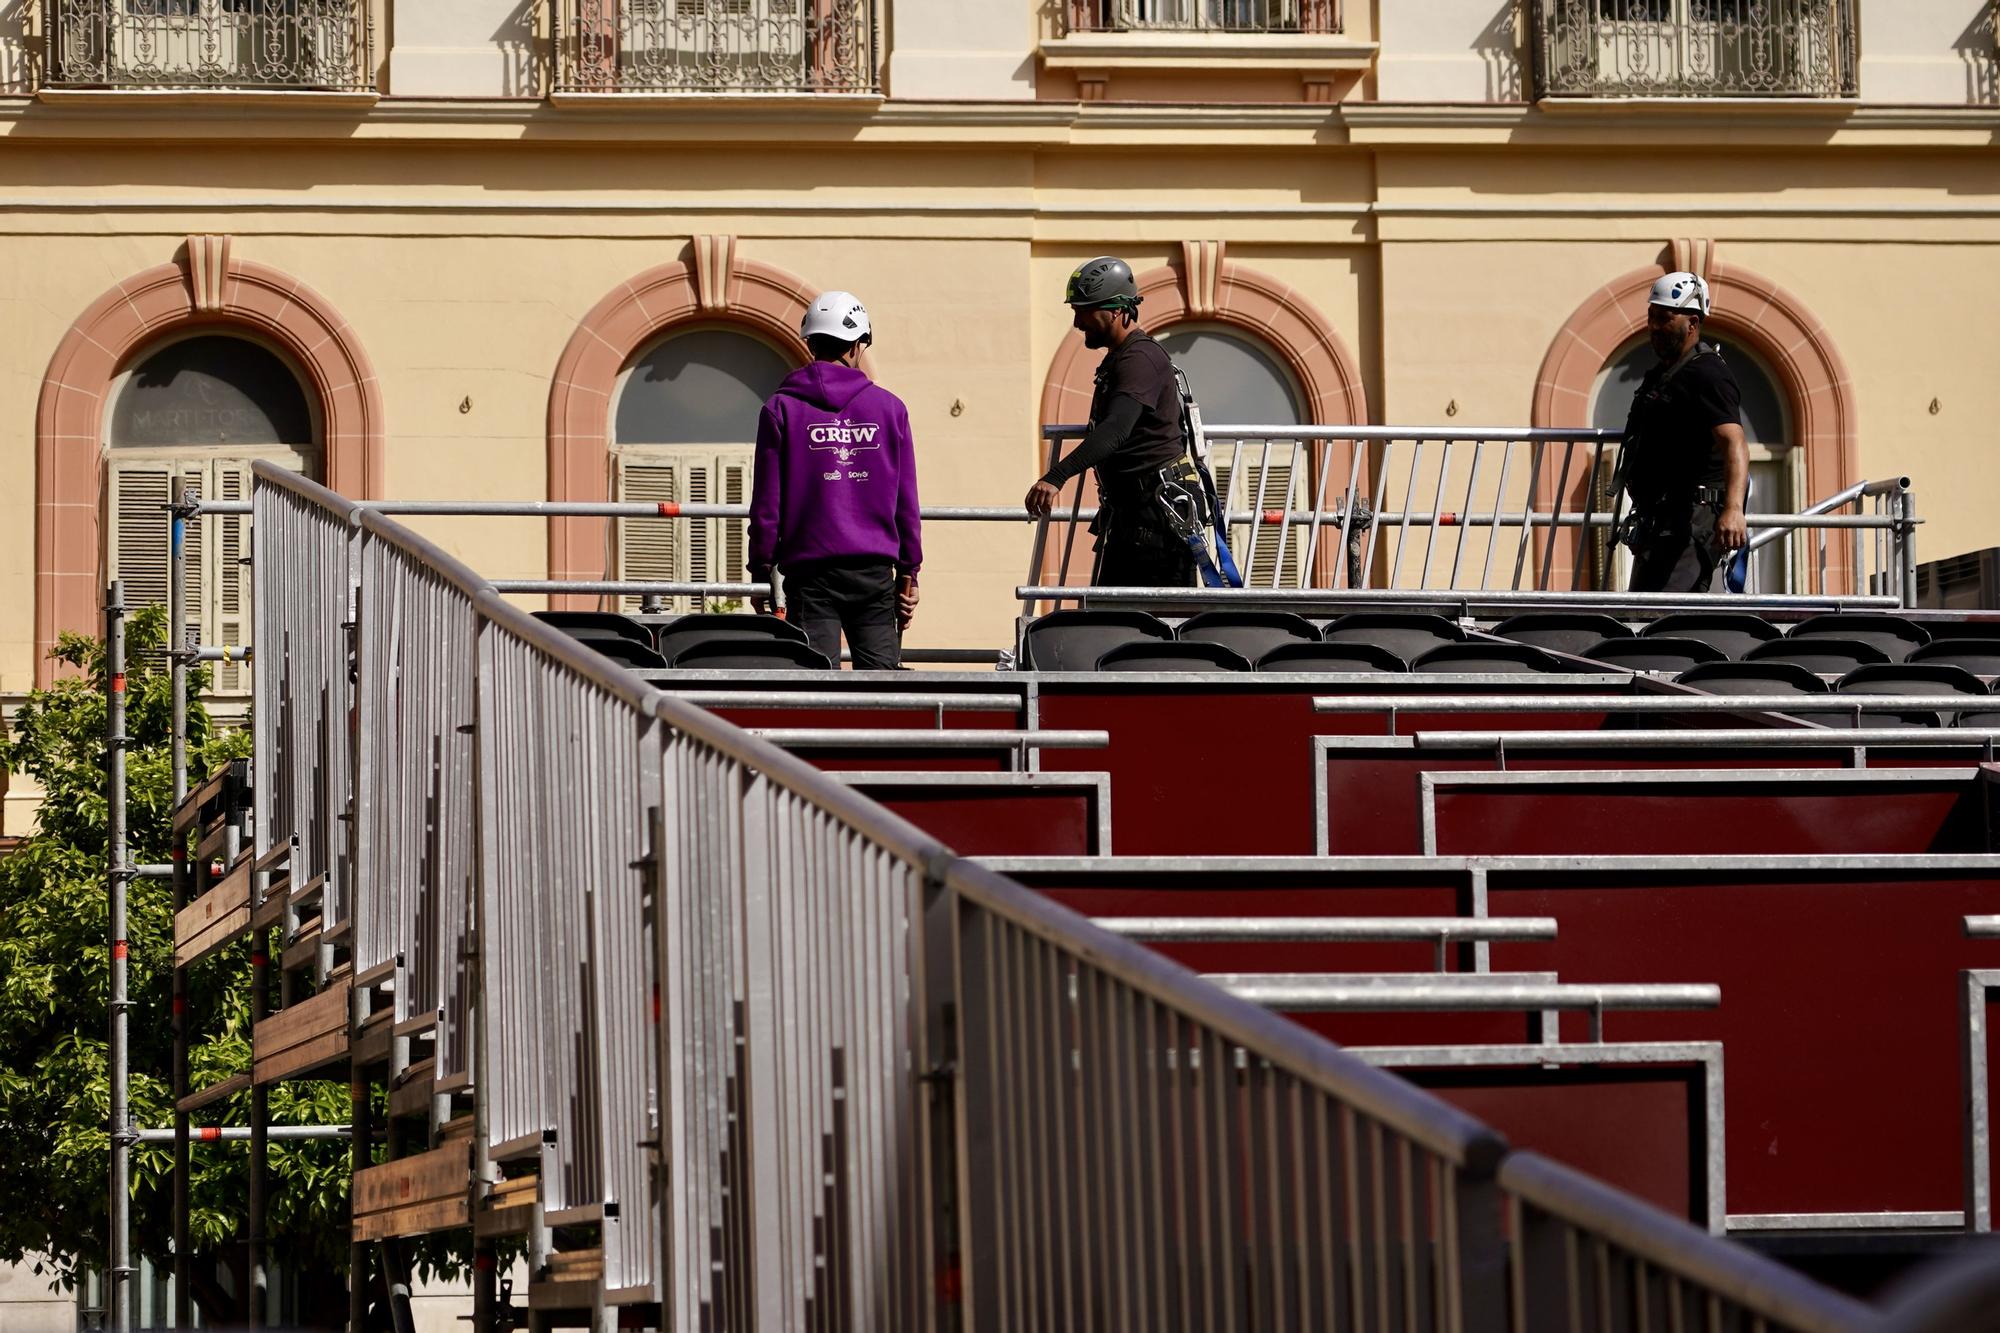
pixel 316 45
pixel 1694 48
pixel 1081 16
pixel 715 46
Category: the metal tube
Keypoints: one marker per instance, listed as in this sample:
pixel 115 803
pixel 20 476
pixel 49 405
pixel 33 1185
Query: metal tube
pixel 118 1057
pixel 1466 602
pixel 1039 546
pixel 241 1133
pixel 848 699
pixel 1317 499
pixel 1906 543
pixel 1589 513
pixel 1493 520
pixel 1284 525
pixel 1256 509
pixel 1468 992
pixel 231 653
pixel 1528 513
pixel 1692 738
pixel 1555 517
pixel 1403 532
pixel 1437 515
pixel 1653 703
pixel 1357 452
pixel 877 738
pixel 1465 515
pixel 177 642
pixel 632 587
pixel 1268 929
pixel 1375 502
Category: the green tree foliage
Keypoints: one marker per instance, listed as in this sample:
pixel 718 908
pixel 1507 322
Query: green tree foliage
pixel 54 984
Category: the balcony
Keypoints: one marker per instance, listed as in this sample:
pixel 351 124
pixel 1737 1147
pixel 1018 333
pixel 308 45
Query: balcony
pixel 1211 16
pixel 715 46
pixel 1694 48
pixel 311 45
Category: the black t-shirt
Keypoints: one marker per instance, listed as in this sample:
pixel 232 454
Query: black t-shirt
pixel 1140 369
pixel 1671 431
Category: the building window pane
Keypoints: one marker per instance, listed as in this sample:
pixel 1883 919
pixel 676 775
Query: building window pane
pixel 212 391
pixel 703 387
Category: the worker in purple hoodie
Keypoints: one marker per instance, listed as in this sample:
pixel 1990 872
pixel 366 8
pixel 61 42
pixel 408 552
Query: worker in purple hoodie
pixel 833 502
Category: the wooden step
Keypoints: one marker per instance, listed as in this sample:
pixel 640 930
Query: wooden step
pixel 214 1092
pixel 302 950
pixel 414 1195
pixel 213 920
pixel 415 1090
pixel 458 1127
pixel 508 1208
pixel 277 854
pixel 571 1279
pixel 271 911
pixel 303 1037
pixel 311 891
pixel 211 845
pixel 190 809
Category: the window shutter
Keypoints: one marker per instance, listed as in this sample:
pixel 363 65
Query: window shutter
pixel 1277 492
pixel 702 550
pixel 649 549
pixel 137 540
pixel 228 615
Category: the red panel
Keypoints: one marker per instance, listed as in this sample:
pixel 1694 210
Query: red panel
pixel 1217 771
pixel 1636 1129
pixel 1839 1015
pixel 1374 797
pixel 999 822
pixel 1624 816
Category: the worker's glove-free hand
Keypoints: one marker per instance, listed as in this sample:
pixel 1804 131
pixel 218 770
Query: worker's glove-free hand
pixel 907 598
pixel 1041 498
pixel 765 604
pixel 1731 532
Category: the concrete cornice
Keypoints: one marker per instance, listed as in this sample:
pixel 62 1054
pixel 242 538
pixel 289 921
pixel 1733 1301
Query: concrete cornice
pixel 1695 125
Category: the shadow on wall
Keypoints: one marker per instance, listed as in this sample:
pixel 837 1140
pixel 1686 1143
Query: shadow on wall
pixel 1500 50
pixel 1979 47
pixel 16 58
pixel 523 45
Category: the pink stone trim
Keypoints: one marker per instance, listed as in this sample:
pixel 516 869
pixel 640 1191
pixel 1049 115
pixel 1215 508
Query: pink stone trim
pixel 69 418
pixel 765 300
pixel 1245 298
pixel 1748 307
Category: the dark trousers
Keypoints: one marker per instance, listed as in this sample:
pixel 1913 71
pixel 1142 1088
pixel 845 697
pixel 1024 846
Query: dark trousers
pixel 1677 554
pixel 858 599
pixel 1135 552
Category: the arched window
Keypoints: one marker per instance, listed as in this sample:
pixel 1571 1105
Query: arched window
pixel 1777 467
pixel 684 425
pixel 194 413
pixel 1237 381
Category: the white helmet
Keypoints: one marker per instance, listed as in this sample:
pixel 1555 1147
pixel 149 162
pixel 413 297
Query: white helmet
pixel 1681 291
pixel 837 315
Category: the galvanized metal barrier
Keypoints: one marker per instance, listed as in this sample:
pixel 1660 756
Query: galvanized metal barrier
pixel 807 1068
pixel 1481 509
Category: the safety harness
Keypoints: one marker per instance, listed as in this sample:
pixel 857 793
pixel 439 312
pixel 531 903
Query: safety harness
pixel 1187 494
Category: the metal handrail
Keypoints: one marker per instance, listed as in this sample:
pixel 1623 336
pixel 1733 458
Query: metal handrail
pixel 1657 703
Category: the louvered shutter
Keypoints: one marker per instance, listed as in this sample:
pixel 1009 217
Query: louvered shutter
pixel 1275 492
pixel 227 616
pixel 701 550
pixel 649 549
pixel 137 537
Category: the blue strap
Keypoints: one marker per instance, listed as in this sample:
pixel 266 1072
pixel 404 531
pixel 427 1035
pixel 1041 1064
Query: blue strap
pixel 1227 575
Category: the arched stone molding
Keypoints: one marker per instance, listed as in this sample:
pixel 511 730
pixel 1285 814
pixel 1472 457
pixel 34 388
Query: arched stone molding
pixel 1211 288
pixel 718 286
pixel 207 288
pixel 1747 308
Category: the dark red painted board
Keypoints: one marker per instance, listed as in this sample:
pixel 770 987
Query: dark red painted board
pixel 1374 796
pixel 1628 816
pixel 1639 1128
pixel 1839 1014
pixel 1214 771
pixel 999 821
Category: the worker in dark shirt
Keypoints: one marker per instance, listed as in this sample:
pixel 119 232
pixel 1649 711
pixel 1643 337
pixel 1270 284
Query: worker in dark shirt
pixel 1685 465
pixel 1134 436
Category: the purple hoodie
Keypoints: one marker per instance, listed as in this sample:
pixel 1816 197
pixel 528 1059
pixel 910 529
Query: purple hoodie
pixel 836 473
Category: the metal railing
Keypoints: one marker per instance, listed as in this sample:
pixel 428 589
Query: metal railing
pixel 1694 48
pixel 805 1066
pixel 1201 16
pixel 1437 509
pixel 311 45
pixel 715 46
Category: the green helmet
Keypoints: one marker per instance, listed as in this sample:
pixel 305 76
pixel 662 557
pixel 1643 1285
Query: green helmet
pixel 1104 281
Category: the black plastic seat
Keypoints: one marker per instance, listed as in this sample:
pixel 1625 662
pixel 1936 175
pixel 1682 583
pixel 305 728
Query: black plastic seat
pixel 1480 657
pixel 1656 653
pixel 1172 655
pixel 1074 640
pixel 750 655
pixel 1562 631
pixel 1752 678
pixel 625 652
pixel 1895 637
pixel 1330 658
pixel 1249 633
pixel 1407 636
pixel 1731 633
pixel 596 624
pixel 1910 678
pixel 1979 656
pixel 676 636
pixel 1826 656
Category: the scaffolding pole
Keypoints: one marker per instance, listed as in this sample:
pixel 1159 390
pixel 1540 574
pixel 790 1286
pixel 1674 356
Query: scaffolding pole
pixel 177 641
pixel 118 877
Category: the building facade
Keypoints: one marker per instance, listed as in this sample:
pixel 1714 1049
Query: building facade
pixel 558 249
